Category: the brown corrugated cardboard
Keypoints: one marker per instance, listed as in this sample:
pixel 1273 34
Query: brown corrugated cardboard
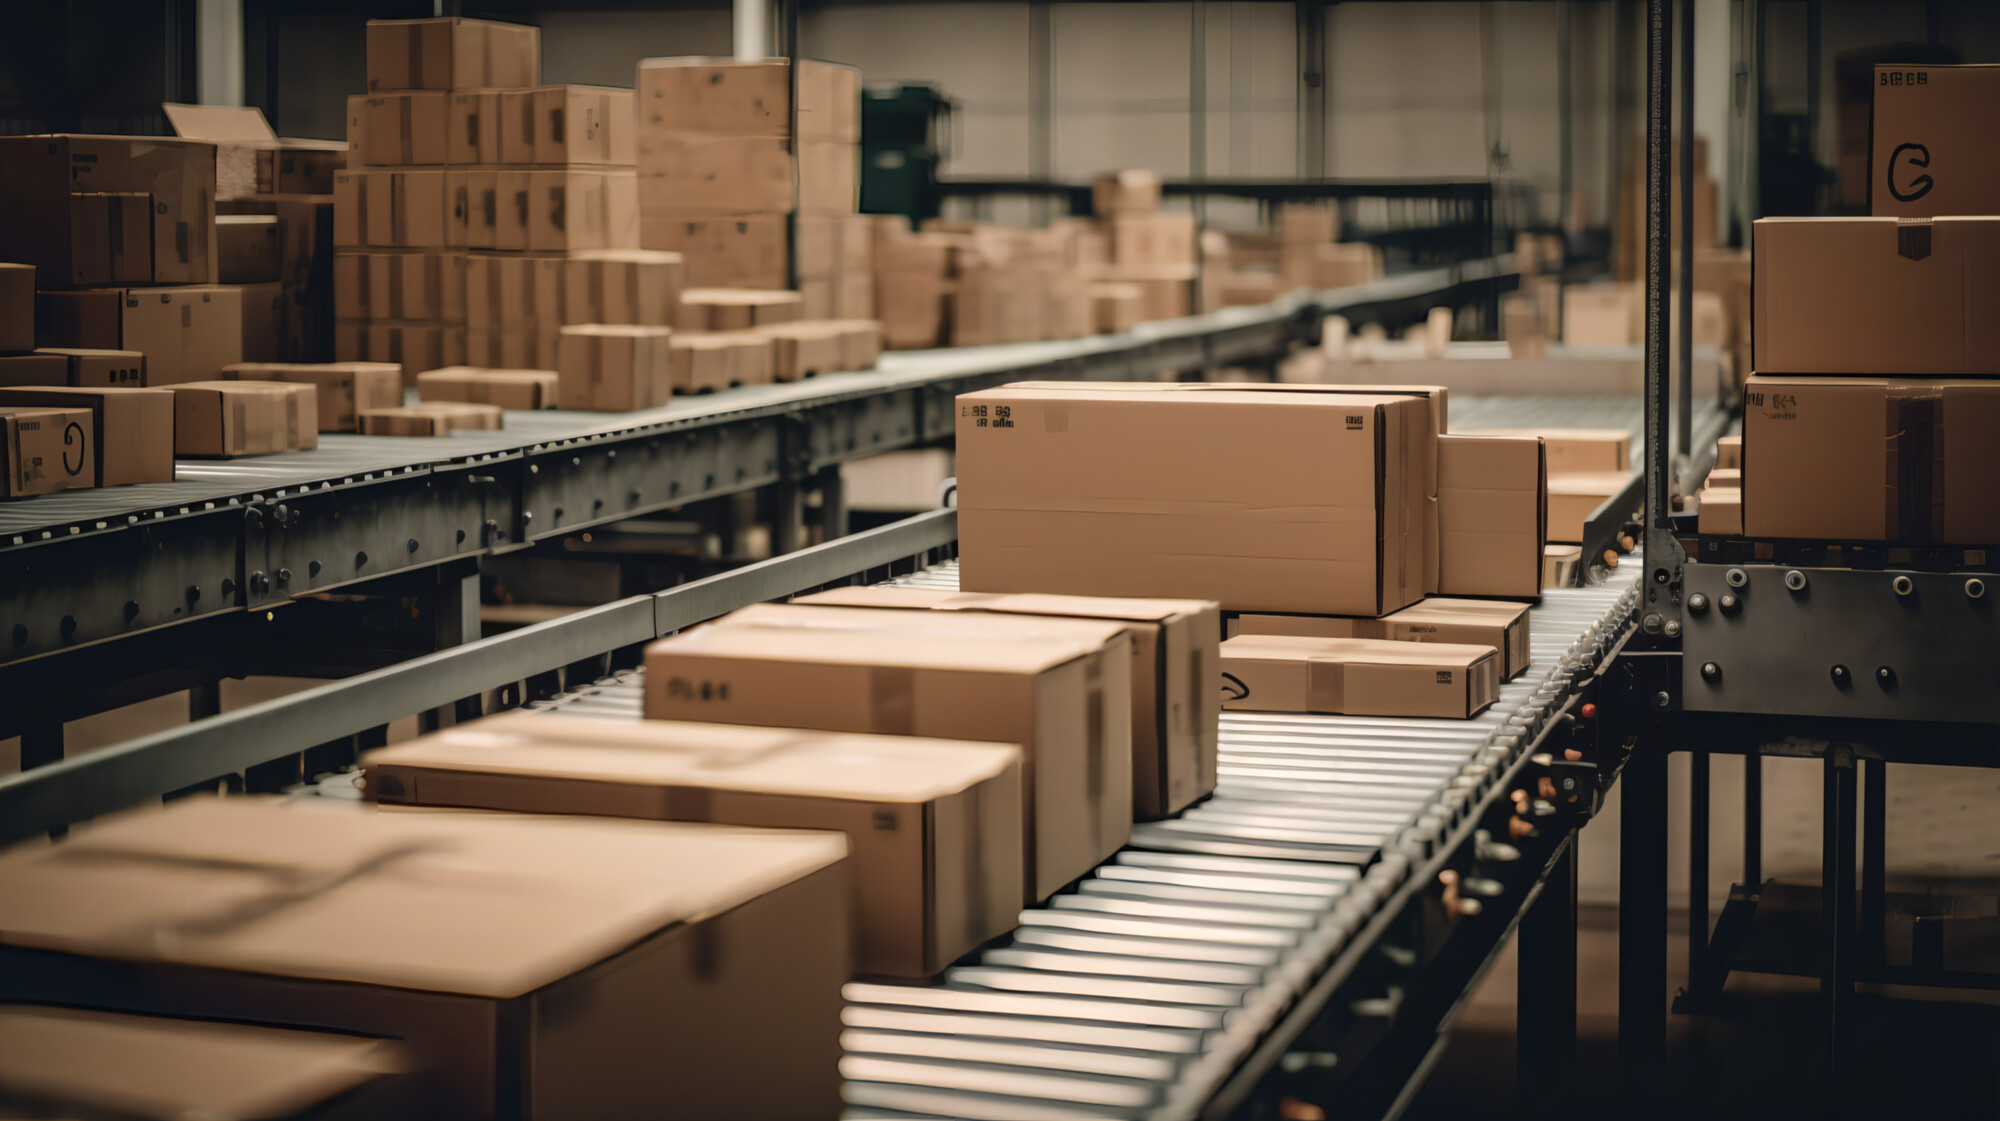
pixel 569 210
pixel 300 167
pixel 721 250
pixel 565 126
pixel 622 286
pixel 100 369
pixel 247 250
pixel 506 292
pixel 718 174
pixel 472 127
pixel 405 128
pixel 263 320
pixel 1357 676
pixel 489 944
pixel 1930 150
pixel 1187 488
pixel 860 343
pixel 431 418
pixel 1574 497
pixel 33 369
pixel 186 334
pixel 1729 452
pixel 1304 222
pixel 1174 702
pixel 1572 450
pixel 444 54
pixel 17 308
pixel 1129 190
pixel 44 449
pixel 415 347
pixel 241 137
pixel 420 285
pixel 708 360
pixel 1721 511
pixel 727 97
pixel 803 349
pixel 1061 688
pixel 38 174
pixel 344 388
pixel 132 430
pixel 510 350
pixel 829 176
pixel 613 367
pixel 1725 477
pixel 1117 307
pixel 231 418
pixel 399 209
pixel 1460 622
pixel 1151 238
pixel 933 826
pixel 1493 515
pixel 735 309
pixel 509 389
pixel 86 319
pixel 111 239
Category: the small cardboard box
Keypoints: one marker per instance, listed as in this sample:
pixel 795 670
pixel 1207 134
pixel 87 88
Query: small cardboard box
pixel 33 369
pixel 431 418
pixel 1720 511
pixel 1061 688
pixel 186 334
pixel 1129 190
pixel 509 389
pixel 488 944
pixel 1148 238
pixel 17 308
pixel 1117 307
pixel 247 249
pixel 422 285
pixel 446 54
pixel 614 367
pixel 564 126
pixel 1493 515
pixel 1573 498
pixel 39 174
pixel 1357 676
pixel 578 209
pixel 1462 622
pixel 739 250
pixel 803 349
pixel 622 286
pixel 704 361
pixel 735 309
pixel 720 96
pixel 933 826
pixel 1174 701
pixel 132 430
pixel 1729 453
pixel 230 418
pixel 406 128
pixel 717 174
pixel 1930 145
pixel 111 239
pixel 46 449
pixel 344 388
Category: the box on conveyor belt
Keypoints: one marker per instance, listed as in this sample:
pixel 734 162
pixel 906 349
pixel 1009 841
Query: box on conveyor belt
pixel 1572 450
pixel 91 369
pixel 78 1063
pixel 187 334
pixel 447 54
pixel 1720 511
pixel 735 309
pixel 709 360
pixel 860 342
pixel 1061 688
pixel 1197 491
pixel 622 286
pixel 509 389
pixel 231 418
pixel 45 448
pixel 39 174
pixel 247 249
pixel 1461 622
pixel 1174 702
pixel 1573 498
pixel 1494 515
pixel 1357 676
pixel 345 388
pixel 132 430
pixel 933 825
pixel 1729 452
pixel 430 418
pixel 423 285
pixel 1871 459
pixel 616 960
pixel 17 308
pixel 727 97
pixel 805 348
pixel 1931 141
pixel 614 367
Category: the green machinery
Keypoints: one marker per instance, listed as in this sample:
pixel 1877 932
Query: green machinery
pixel 904 133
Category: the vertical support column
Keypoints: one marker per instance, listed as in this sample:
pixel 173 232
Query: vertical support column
pixel 1753 822
pixel 1310 17
pixel 219 51
pixel 750 38
pixel 1565 30
pixel 1836 980
pixel 832 503
pixel 1642 921
pixel 1684 221
pixel 1698 944
pixel 1041 106
pixel 1874 862
pixel 1545 1000
pixel 1198 106
pixel 455 613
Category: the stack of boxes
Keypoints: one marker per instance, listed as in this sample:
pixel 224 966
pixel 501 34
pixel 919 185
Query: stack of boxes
pixel 1140 247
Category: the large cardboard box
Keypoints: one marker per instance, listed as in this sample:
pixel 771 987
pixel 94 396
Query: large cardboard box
pixel 1574 497
pixel 39 173
pixel 686 171
pixel 472 127
pixel 1876 296
pixel 563 126
pixel 446 54
pixel 613 367
pixel 622 286
pixel 1357 676
pixel 44 449
pixel 344 388
pixel 1493 515
pixel 406 128
pixel 570 210
pixel 132 430
pixel 111 239
pixel 221 419
pixel 720 96
pixel 1462 622
pixel 509 389
pixel 618 961
pixel 395 209
pixel 933 826
pixel 1196 491
pixel 1931 143
pixel 1175 704
pixel 100 369
pixel 741 250
pixel 420 285
pixel 431 418
pixel 186 334
pixel 1061 688
pixel 17 308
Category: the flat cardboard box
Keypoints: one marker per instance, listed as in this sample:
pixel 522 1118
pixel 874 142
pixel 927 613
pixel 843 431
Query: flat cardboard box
pixel 735 309
pixel 803 349
pixel 99 1064
pixel 1720 511
pixel 344 388
pixel 489 944
pixel 222 419
pixel 1494 515
pixel 33 369
pixel 720 96
pixel 111 239
pixel 1729 452
pixel 1061 688
pixel 38 174
pixel 509 389
pixel 1174 703
pixel 613 367
pixel 186 334
pixel 45 448
pixel 1196 491
pixel 1462 622
pixel 1876 296
pixel 740 250
pixel 431 418
pixel 1572 450
pixel 933 825
pixel 1573 498
pixel 1930 143
pixel 17 308
pixel 640 286
pixel 406 128
pixel 445 54
pixel 247 249
pixel 1358 676
pixel 132 430
pixel 709 360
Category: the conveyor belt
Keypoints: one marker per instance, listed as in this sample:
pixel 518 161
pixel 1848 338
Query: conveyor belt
pixel 1140 992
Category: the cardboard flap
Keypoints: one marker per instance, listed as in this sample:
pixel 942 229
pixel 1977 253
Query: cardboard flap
pixel 224 124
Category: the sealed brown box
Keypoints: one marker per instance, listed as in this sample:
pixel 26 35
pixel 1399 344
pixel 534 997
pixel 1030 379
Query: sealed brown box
pixel 735 309
pixel 509 389
pixel 445 54
pixel 39 173
pixel 717 174
pixel 101 369
pixel 1720 511
pixel 1493 515
pixel 569 210
pixel 396 209
pixel 420 285
pixel 1186 485
pixel 132 430
pixel 111 239
pixel 431 418
pixel 565 126
pixel 33 369
pixel 186 334
pixel 832 244
pixel 344 388
pixel 405 128
pixel 1725 477
pixel 1571 450
pixel 247 250
pixel 709 360
pixel 720 250
pixel 44 449
pixel 692 94
pixel 1574 497
pixel 1357 676
pixel 800 350
pixel 1174 702
pixel 613 367
pixel 1130 190
pixel 1151 238
pixel 231 418
pixel 472 127
pixel 933 826
pixel 829 177
pixel 622 286
pixel 488 944
pixel 517 293
pixel 1460 622
pixel 17 308
pixel 1931 143
pixel 1729 452
pixel 1061 688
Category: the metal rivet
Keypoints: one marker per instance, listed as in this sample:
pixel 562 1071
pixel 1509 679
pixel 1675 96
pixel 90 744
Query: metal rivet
pixel 1736 577
pixel 193 592
pixel 1886 676
pixel 312 569
pixel 1975 588
pixel 360 559
pixel 1710 671
pixel 1650 624
pixel 1662 700
pixel 284 576
pixel 1673 628
pixel 411 545
pixel 1903 585
pixel 1841 678
pixel 1795 580
pixel 1697 602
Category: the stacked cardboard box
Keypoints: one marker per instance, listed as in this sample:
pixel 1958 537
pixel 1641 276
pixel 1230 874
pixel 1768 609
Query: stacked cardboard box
pixel 1143 247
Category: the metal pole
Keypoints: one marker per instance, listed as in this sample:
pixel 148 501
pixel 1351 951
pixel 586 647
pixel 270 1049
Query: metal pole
pixel 1545 996
pixel 1198 101
pixel 1642 920
pixel 1565 20
pixel 1698 945
pixel 1684 427
pixel 1311 20
pixel 1663 551
pixel 750 36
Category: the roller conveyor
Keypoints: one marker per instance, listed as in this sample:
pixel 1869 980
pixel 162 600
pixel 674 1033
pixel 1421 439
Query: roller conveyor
pixel 1142 991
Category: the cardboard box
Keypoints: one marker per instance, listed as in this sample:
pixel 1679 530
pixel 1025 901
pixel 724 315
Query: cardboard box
pixel 232 418
pixel 1876 296
pixel 735 309
pixel 830 245
pixel 1357 676
pixel 715 174
pixel 911 305
pixel 252 160
pixel 1151 238
pixel 186 334
pixel 801 350
pixel 1729 453
pixel 517 293
pixel 1117 307
pixel 1720 511
pixel 704 361
pixel 1129 190
pixel 721 96
pixel 344 388
pixel 622 286
pixel 1930 147
pixel 721 250
pixel 111 239
pixel 99 369
pixel 1574 497
pixel 1305 222
pixel 1572 450
pixel 1183 479
pixel 131 432
pixel 1166 291
pixel 263 321
pixel 1725 477
pixel 1174 703
pixel 406 128
pixel 613 367
pixel 300 167
pixel 472 127
pixel 247 249
pixel 1061 688
pixel 33 369
pixel 494 349
pixel 395 209
pixel 45 448
pixel 38 174
pixel 17 308
pixel 433 418
pixel 861 343
pixel 473 201
pixel 415 346
pixel 421 285
pixel 488 944
pixel 88 319
pixel 570 210
pixel 509 389
pixel 933 825
pixel 446 54
pixel 829 177
pixel 1494 515
pixel 565 126
pixel 1461 622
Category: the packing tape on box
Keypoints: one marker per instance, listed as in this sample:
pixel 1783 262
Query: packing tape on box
pixel 688 803
pixel 1326 686
pixel 892 700
pixel 396 290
